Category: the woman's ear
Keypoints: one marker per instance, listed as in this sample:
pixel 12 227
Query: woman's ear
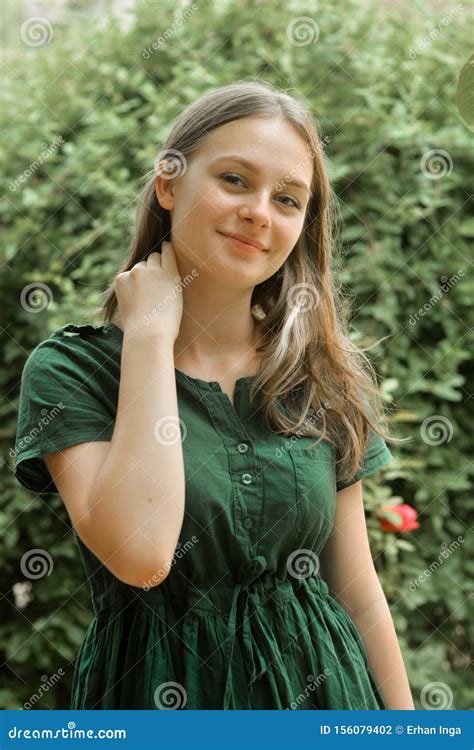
pixel 164 190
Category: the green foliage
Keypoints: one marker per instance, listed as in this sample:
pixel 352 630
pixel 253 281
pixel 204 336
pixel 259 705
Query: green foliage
pixel 398 159
pixel 465 93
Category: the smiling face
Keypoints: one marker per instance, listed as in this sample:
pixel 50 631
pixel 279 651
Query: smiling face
pixel 218 195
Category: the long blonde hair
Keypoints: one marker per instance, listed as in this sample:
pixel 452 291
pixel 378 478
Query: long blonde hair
pixel 309 365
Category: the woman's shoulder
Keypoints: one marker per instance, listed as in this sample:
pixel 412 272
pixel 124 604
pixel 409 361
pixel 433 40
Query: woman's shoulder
pixel 73 344
pixel 68 395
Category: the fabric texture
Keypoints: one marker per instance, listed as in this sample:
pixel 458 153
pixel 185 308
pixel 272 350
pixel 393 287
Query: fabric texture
pixel 243 619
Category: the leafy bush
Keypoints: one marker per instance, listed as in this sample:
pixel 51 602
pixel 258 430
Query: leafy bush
pixel 96 104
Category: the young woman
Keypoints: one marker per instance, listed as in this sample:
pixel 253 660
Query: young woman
pixel 209 439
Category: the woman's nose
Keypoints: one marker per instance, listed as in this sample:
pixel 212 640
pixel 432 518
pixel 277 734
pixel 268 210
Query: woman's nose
pixel 257 209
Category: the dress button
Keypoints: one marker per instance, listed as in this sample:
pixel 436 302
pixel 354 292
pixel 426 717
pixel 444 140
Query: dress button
pixel 242 447
pixel 247 478
pixel 248 523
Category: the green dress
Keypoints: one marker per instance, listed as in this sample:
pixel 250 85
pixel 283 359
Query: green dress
pixel 243 619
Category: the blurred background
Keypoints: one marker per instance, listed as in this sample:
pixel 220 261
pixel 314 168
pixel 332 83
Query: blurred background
pixel 90 90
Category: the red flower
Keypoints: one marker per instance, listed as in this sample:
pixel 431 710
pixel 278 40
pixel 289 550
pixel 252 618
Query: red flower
pixel 398 518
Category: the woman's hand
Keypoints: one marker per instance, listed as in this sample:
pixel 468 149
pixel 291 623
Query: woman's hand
pixel 149 296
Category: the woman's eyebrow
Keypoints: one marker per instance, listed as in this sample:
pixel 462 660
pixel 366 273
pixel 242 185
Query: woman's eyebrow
pixel 252 168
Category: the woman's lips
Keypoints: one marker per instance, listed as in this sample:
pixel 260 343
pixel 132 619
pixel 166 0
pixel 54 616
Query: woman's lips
pixel 245 246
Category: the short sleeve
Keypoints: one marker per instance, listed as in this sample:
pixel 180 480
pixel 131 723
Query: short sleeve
pixel 62 403
pixel 376 455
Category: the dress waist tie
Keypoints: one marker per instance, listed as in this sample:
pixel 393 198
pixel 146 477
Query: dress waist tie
pixel 255 641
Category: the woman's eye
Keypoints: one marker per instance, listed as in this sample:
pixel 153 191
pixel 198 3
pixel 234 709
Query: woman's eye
pixel 295 202
pixel 233 175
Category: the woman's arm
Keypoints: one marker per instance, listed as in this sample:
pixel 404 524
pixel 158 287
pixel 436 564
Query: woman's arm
pixel 347 566
pixel 136 506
